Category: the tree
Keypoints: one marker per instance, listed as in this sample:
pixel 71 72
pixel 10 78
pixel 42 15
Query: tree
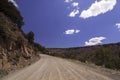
pixel 30 37
pixel 12 12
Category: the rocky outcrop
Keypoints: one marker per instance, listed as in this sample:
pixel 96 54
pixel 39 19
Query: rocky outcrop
pixel 15 50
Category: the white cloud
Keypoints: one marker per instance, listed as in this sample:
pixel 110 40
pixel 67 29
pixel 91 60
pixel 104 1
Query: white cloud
pixel 71 31
pixel 77 31
pixel 75 4
pixel 67 1
pixel 14 3
pixel 97 8
pixel 94 41
pixel 118 26
pixel 74 13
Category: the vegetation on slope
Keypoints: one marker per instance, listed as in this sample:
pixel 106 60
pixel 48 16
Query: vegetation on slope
pixel 11 11
pixel 17 49
pixel 103 55
pixel 37 46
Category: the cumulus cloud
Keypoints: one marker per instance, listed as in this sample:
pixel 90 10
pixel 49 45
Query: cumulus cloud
pixel 94 41
pixel 97 8
pixel 67 1
pixel 71 31
pixel 14 3
pixel 74 13
pixel 75 4
pixel 118 26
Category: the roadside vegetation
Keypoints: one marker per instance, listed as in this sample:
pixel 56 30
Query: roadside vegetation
pixel 107 55
pixel 12 12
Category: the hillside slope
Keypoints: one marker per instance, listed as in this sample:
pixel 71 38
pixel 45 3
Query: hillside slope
pixel 15 50
pixel 107 55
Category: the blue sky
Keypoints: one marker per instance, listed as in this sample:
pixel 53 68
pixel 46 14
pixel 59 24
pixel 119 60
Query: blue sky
pixel 71 23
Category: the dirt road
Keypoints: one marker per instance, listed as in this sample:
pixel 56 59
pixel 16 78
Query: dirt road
pixel 52 68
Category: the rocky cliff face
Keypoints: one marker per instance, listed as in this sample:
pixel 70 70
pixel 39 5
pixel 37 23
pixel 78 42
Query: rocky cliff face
pixel 15 50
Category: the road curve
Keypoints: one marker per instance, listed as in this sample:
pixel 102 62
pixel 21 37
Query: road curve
pixel 52 68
